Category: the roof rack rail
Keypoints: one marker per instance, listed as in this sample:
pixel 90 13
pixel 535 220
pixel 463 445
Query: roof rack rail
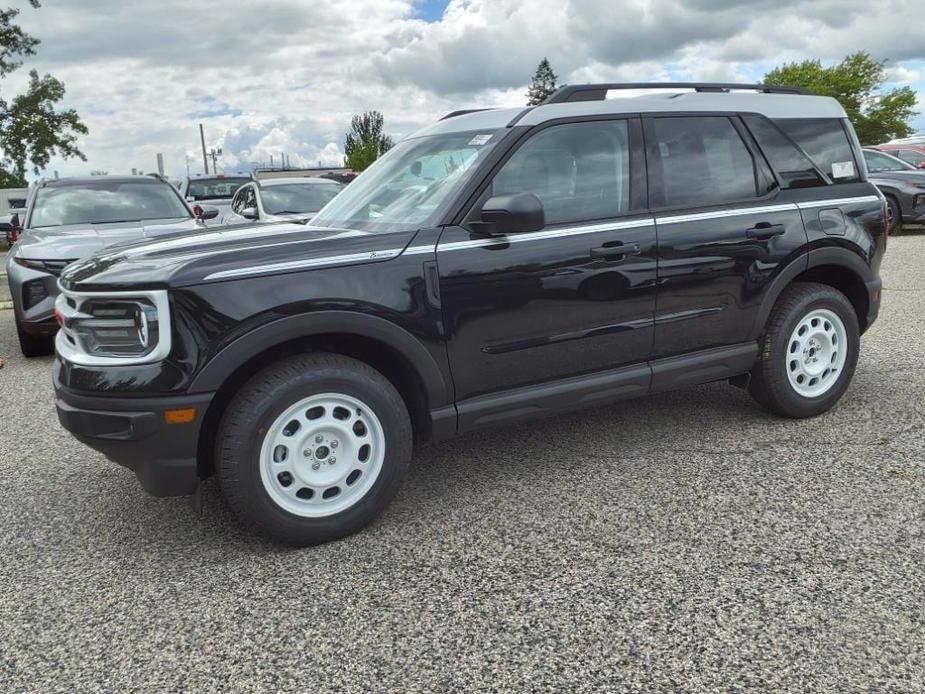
pixel 598 92
pixel 464 111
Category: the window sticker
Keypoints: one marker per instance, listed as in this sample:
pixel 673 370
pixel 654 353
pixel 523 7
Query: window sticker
pixel 842 169
pixel 480 139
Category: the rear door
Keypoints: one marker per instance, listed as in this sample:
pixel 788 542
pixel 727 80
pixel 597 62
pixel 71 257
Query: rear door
pixel 574 298
pixel 725 228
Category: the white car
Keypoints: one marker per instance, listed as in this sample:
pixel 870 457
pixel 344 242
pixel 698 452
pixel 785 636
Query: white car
pixel 280 199
pixel 215 190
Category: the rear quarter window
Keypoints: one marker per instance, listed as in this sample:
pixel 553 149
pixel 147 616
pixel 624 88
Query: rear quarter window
pixel 826 142
pixel 794 168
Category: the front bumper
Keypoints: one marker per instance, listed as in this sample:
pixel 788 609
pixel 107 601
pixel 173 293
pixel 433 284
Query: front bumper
pixel 38 319
pixel 133 433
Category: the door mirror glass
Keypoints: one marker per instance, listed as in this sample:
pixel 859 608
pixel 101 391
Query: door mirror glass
pixel 249 213
pixel 514 213
pixel 208 212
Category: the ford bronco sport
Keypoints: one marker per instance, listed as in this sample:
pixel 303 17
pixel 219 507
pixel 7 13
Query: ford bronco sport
pixel 495 266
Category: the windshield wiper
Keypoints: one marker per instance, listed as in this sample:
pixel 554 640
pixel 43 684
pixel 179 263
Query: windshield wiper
pixel 114 221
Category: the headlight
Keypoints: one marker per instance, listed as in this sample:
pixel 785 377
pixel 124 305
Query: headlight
pixel 117 328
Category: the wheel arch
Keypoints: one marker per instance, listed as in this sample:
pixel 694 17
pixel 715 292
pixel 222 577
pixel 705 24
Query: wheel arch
pixel 388 348
pixel 837 267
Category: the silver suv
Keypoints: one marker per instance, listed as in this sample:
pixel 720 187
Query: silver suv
pixel 68 219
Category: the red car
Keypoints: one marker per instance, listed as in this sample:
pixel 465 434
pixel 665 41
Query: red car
pixel 914 154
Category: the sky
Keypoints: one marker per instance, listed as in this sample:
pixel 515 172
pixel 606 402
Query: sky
pixel 271 76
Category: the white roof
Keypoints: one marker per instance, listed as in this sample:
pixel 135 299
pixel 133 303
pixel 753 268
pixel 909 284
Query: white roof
pixel 770 105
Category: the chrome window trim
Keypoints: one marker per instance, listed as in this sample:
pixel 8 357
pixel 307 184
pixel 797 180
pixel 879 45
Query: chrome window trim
pixel 75 355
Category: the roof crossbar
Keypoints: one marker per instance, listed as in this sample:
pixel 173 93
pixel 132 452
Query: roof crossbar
pixel 598 92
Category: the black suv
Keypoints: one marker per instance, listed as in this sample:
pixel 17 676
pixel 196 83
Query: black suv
pixel 496 266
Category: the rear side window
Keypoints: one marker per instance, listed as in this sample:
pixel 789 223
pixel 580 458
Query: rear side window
pixel 825 140
pixel 580 171
pixel 704 161
pixel 792 166
pixel 910 155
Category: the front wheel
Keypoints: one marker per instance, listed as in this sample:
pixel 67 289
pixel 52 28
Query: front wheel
pixel 808 352
pixel 32 345
pixel 894 214
pixel 313 448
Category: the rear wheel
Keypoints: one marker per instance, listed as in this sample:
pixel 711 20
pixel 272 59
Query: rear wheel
pixel 313 448
pixel 809 351
pixel 33 346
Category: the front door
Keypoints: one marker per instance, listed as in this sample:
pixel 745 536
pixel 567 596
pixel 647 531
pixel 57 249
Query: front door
pixel 574 298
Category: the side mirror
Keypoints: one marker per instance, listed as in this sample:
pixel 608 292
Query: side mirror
pixel 249 213
pixel 208 212
pixel 515 213
pixel 920 165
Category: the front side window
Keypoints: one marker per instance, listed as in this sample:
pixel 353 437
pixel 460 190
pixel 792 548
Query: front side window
pixel 293 198
pixel 704 161
pixel 214 188
pixel 579 171
pixel 105 202
pixel 878 162
pixel 826 142
pixel 405 188
pixel 237 204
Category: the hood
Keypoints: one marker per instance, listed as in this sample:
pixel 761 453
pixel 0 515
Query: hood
pixel 243 250
pixel 74 241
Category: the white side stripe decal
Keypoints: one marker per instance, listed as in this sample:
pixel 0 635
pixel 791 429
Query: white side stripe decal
pixel 311 262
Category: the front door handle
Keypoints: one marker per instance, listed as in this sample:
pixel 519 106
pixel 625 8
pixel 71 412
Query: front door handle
pixel 765 230
pixel 615 250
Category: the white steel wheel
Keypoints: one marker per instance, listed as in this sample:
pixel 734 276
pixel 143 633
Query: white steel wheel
pixel 322 455
pixel 816 353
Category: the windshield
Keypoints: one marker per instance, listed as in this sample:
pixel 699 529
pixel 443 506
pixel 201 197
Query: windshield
pixel 405 187
pixel 105 202
pixel 214 188
pixel 298 197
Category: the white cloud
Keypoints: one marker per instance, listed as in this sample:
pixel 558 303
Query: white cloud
pixel 288 75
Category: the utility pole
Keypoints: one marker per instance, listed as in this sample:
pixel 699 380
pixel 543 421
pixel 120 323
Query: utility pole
pixel 202 139
pixel 160 163
pixel 271 161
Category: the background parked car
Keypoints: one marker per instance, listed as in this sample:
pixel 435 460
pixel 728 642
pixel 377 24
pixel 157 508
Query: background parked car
pixel 909 153
pixel 901 183
pixel 68 219
pixel 215 189
pixel 279 199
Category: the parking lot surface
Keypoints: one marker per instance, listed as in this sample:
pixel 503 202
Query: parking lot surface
pixel 684 542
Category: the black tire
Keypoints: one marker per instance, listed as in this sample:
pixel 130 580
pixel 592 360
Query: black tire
pixel 895 214
pixel 264 398
pixel 770 384
pixel 33 346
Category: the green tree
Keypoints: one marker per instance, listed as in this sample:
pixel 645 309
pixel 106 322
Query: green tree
pixel 877 114
pixel 32 131
pixel 366 140
pixel 543 84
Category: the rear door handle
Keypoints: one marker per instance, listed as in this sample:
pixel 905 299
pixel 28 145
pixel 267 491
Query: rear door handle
pixel 764 230
pixel 615 250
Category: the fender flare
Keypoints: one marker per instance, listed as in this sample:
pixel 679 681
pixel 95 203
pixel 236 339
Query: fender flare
pixel 277 332
pixel 832 255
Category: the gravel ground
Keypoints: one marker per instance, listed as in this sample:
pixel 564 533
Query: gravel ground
pixel 686 542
